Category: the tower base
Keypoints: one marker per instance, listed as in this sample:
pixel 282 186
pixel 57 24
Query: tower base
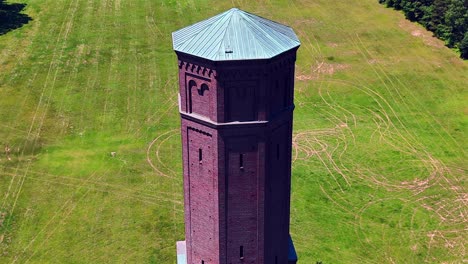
pixel 182 252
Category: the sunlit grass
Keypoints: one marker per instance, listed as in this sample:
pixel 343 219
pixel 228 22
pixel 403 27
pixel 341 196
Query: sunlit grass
pixel 88 105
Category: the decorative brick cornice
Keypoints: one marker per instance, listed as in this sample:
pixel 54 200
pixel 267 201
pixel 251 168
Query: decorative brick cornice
pixel 280 65
pixel 246 72
pixel 196 69
pixel 199 131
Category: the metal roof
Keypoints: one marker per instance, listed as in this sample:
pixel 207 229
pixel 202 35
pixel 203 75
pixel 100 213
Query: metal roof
pixel 235 35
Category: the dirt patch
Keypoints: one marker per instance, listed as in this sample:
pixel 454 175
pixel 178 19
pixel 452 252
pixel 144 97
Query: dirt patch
pixel 417 31
pixel 2 218
pixel 457 61
pixel 321 69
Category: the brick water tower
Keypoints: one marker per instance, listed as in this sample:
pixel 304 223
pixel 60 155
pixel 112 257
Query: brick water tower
pixel 236 78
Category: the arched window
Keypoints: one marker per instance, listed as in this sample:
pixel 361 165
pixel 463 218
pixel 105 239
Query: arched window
pixel 191 85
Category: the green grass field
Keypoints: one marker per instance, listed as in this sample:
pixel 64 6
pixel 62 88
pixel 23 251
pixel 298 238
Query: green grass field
pixel 379 172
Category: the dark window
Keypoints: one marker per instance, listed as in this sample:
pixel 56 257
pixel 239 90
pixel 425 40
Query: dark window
pixel 277 151
pixel 241 101
pixel 200 155
pixel 286 90
pixel 241 252
pixel 276 259
pixel 192 85
pixel 241 161
pixel 241 91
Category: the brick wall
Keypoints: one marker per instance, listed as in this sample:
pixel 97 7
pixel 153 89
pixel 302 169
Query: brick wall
pixel 237 177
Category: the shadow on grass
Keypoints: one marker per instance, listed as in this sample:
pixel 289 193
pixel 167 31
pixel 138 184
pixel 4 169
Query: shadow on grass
pixel 11 18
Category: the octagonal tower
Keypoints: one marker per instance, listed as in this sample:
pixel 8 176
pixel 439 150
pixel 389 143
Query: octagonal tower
pixel 236 78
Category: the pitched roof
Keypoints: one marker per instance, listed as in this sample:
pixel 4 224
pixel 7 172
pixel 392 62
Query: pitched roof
pixel 235 35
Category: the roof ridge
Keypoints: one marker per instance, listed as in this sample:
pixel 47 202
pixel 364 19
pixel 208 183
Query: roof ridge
pixel 252 22
pixel 235 35
pixel 225 30
pixel 224 24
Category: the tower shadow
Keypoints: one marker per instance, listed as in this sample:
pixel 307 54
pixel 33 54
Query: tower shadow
pixel 11 17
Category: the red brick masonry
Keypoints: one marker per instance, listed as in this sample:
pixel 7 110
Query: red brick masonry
pixel 237 142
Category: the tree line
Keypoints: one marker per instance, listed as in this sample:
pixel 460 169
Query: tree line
pixel 447 19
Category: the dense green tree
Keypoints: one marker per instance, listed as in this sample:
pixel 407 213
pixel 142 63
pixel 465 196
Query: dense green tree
pixel 456 18
pixel 448 19
pixel 437 23
pixel 464 47
pixel 439 7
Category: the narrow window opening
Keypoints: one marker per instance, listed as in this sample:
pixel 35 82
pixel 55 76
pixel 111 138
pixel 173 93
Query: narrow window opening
pixel 276 259
pixel 241 252
pixel 277 151
pixel 192 85
pixel 200 155
pixel 241 161
pixel 286 95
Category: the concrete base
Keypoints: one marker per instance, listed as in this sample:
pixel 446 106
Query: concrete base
pixel 181 252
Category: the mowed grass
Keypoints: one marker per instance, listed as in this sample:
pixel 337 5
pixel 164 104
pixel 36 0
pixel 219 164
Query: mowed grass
pixel 379 172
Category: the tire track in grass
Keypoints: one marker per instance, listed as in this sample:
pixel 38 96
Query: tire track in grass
pixel 108 93
pixel 414 98
pixel 75 62
pixel 382 98
pixel 93 78
pixel 412 148
pixel 37 109
pixel 158 156
pixel 171 98
pixel 48 223
pixel 132 102
pixel 57 54
pixel 132 87
pixel 23 104
pixel 366 54
pixel 19 57
pixel 344 125
pixel 107 89
pixel 381 102
pixel 63 214
pixel 404 141
pixel 169 133
pixel 339 124
pixel 152 25
pixel 327 162
pixel 98 186
pixel 429 163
